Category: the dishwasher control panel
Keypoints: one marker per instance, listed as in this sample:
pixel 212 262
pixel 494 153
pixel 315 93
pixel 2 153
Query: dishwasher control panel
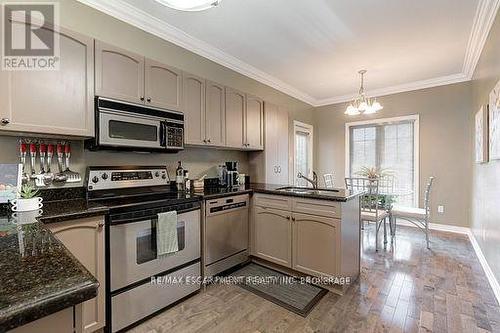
pixel 228 206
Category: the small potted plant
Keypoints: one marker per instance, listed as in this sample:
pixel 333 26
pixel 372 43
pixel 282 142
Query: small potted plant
pixel 27 200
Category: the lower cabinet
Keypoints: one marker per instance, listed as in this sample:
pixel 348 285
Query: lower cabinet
pixel 315 244
pixel 273 235
pixel 84 238
pixel 59 322
pixel 304 242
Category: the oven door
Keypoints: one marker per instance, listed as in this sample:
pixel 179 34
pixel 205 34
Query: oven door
pixel 133 248
pixel 124 129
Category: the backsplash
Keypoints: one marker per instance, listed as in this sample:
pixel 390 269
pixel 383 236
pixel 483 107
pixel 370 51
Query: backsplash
pixel 198 161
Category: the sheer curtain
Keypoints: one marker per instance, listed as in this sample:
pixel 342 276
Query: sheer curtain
pixel 301 156
pixel 389 146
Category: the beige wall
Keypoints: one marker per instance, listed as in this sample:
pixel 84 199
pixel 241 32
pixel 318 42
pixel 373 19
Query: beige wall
pixel 444 146
pixel 485 217
pixel 85 20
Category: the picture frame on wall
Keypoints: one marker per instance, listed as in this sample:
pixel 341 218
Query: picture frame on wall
pixel 481 135
pixel 494 123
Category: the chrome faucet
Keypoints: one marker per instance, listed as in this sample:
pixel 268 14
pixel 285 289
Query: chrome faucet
pixel 314 181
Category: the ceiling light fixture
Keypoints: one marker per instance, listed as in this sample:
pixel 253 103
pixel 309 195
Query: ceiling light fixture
pixel 190 5
pixel 363 104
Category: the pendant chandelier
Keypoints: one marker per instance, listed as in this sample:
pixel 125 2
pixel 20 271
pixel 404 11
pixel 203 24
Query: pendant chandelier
pixel 190 5
pixel 362 104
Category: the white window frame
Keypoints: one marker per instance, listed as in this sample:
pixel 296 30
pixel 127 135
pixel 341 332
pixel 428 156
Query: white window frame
pixel 303 127
pixel 416 145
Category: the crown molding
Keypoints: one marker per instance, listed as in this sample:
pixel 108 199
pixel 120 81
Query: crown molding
pixel 410 86
pixel 144 21
pixel 483 20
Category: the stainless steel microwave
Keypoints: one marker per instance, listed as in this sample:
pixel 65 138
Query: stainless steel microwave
pixel 127 126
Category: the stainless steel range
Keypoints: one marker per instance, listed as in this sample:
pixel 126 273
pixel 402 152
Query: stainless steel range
pixel 135 197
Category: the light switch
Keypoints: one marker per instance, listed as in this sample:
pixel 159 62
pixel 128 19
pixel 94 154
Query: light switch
pixel 440 209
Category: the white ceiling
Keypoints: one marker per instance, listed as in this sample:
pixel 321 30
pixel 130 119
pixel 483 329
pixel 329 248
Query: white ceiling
pixel 312 49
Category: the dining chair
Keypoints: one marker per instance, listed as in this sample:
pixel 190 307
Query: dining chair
pixel 328 177
pixel 418 216
pixel 370 208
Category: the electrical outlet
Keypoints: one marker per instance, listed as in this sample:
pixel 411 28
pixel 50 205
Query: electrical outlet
pixel 440 209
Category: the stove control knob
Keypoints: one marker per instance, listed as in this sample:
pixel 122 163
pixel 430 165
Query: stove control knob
pixel 95 179
pixel 164 176
pixel 104 176
pixel 157 174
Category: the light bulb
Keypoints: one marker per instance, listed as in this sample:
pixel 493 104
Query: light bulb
pixel 363 106
pixel 351 110
pixel 376 106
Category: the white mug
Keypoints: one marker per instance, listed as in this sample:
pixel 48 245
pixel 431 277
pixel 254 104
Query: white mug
pixel 24 205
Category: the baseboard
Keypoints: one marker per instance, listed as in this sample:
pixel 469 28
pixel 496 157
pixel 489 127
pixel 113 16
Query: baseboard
pixel 475 245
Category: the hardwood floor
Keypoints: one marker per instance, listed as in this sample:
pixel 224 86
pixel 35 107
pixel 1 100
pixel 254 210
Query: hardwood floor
pixel 404 288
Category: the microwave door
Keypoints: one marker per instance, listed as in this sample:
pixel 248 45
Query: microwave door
pixel 128 130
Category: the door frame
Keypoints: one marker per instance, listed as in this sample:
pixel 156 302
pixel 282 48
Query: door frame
pixel 304 127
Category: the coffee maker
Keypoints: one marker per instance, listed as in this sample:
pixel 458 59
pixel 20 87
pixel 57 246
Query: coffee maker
pixel 232 175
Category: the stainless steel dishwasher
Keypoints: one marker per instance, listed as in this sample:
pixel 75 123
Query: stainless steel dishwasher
pixel 225 233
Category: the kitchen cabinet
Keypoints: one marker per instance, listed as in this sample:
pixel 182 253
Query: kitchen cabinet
pixel 119 73
pixel 56 102
pixel 130 77
pixel 84 238
pixel 271 165
pixel 59 322
pixel 235 113
pixel 316 237
pixel 254 123
pixel 314 244
pixel 194 109
pixel 215 118
pixel 272 232
pixel 163 87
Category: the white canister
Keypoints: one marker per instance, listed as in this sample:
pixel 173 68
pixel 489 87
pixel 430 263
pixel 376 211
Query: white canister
pixel 25 205
pixel 241 178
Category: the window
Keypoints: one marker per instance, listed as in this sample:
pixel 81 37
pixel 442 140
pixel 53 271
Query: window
pixel 387 144
pixel 303 152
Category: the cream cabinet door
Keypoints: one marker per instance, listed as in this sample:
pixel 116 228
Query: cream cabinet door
pixel 163 86
pixel 282 146
pixel 215 110
pixel 315 245
pixel 84 238
pixel 59 102
pixel 235 111
pixel 254 123
pixel 272 232
pixel 271 143
pixel 194 109
pixel 119 74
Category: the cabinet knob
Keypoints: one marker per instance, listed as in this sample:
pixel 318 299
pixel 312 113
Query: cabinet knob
pixel 5 121
pixel 99 225
pixel 288 217
pixel 142 98
pixel 209 141
pixel 293 218
pixel 149 100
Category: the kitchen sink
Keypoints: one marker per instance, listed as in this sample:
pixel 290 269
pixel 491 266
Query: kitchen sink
pixel 308 190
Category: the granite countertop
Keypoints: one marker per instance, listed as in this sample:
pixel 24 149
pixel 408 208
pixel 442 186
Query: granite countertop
pixel 63 210
pixel 338 194
pixel 39 275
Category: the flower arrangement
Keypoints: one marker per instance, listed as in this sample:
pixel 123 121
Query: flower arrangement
pixel 374 173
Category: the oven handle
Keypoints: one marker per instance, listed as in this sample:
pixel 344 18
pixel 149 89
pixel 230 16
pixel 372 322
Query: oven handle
pixel 115 221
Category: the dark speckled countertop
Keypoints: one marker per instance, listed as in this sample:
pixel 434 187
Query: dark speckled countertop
pixel 338 194
pixel 38 275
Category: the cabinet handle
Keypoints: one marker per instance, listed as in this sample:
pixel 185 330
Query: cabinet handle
pixel 209 141
pixel 293 219
pixel 99 225
pixel 5 121
pixel 288 217
pixel 205 140
pixel 279 169
pixel 142 98
pixel 149 100
pixel 275 169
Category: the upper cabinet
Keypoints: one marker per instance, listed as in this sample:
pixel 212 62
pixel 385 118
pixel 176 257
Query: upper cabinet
pixel 130 77
pixel 235 115
pixel 163 87
pixel 244 120
pixel 254 123
pixel 215 119
pixel 118 73
pixel 194 109
pixel 57 102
